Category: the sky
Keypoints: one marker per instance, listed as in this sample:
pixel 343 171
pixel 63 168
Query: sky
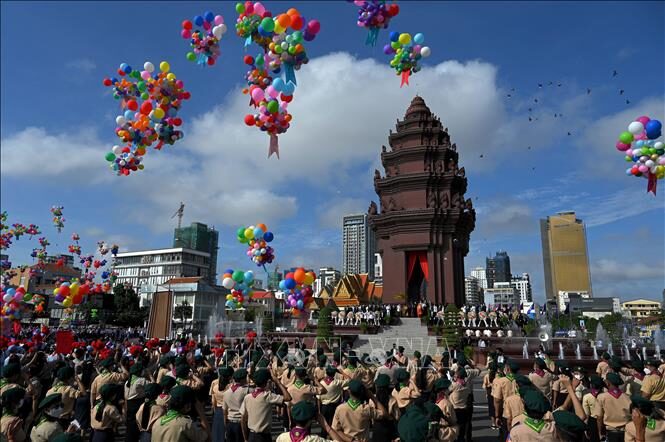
pixel 488 58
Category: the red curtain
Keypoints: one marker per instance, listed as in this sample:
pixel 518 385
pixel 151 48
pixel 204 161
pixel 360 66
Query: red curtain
pixel 423 264
pixel 421 258
pixel 413 256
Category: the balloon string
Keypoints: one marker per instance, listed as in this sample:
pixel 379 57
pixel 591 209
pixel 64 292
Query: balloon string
pixel 274 146
pixel 372 36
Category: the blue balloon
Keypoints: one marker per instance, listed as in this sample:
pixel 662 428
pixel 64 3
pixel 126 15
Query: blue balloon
pixel 419 38
pixel 282 285
pixel 394 36
pixel 290 283
pixel 11 292
pixel 114 80
pixel 209 16
pixel 123 66
pixel 258 232
pixel 228 271
pixel 249 277
pixel 653 125
pixel 129 115
pixel 300 304
pixel 289 88
pixel 268 237
pixel 127 69
pixel 278 84
pixel 639 143
pixel 198 20
pixel 653 134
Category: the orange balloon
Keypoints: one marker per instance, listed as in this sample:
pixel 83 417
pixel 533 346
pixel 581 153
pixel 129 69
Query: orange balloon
pixel 262 227
pixel 284 20
pixel 299 48
pixel 297 22
pixel 299 275
pixel 293 11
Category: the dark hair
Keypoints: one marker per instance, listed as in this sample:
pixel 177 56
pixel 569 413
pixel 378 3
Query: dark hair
pixel 147 405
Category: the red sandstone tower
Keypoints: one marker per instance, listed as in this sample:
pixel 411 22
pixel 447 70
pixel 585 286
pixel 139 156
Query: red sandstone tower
pixel 423 225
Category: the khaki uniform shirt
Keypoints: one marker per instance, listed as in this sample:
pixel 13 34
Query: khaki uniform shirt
pixel 448 427
pixel 602 369
pixel 303 393
pixel 657 434
pixel 588 403
pixel 12 425
pixel 156 411
pixel 333 395
pixel 459 394
pixel 135 389
pixel 614 413
pixel 543 383
pixel 653 385
pixel 512 407
pixel 503 388
pixel 110 418
pixel 405 396
pixel 355 423
pixel 259 410
pixel 233 397
pixel 69 396
pixel 161 373
pixel 180 429
pixel 45 431
pixel 216 394
pixel 103 379
pixel 523 433
pixel 287 379
pixel 190 382
pixel 634 386
pixel 318 374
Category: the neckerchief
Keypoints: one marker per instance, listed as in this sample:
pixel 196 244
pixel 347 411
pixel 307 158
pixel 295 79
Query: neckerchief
pixel 256 392
pixel 441 396
pixel 539 372
pixel 402 385
pixel 511 377
pixel 234 387
pixel 639 375
pixel 651 424
pixel 353 403
pixel 615 392
pixel 43 419
pixel 536 425
pixel 460 381
pixel 57 385
pixel 298 383
pixel 298 434
pixel 595 392
pixel 169 416
pixel 3 382
pixel 328 380
pixel 350 367
pixel 389 364
pixel 133 379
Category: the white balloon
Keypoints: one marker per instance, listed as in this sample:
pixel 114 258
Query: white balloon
pixel 635 128
pixel 117 150
pixel 659 145
pixel 223 28
pixel 148 66
pixel 649 163
pixel 425 51
pixel 120 120
pixel 217 32
pixel 228 283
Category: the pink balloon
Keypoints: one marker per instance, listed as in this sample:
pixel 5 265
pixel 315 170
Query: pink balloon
pixel 643 168
pixel 186 33
pixel 643 119
pixel 249 8
pixel 622 146
pixel 257 94
pixel 661 161
pixel 314 26
pixel 259 9
pixel 219 19
pixel 145 75
pixel 629 152
pixel 272 92
pixel 206 25
pixel 642 136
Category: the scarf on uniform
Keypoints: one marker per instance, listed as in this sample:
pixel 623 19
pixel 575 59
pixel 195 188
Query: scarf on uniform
pixel 353 403
pixel 256 392
pixel 595 392
pixel 639 375
pixel 651 424
pixel 539 371
pixel 511 377
pixel 298 434
pixel 169 416
pixel 536 425
pixel 460 381
pixel 615 392
pixel 328 380
pixel 298 383
pixel 234 387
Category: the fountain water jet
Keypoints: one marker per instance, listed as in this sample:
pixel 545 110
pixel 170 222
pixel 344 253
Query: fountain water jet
pixel 525 349
pixel 595 351
pixel 626 353
pixel 644 353
pixel 601 336
pixel 610 350
pixel 561 355
pixel 578 352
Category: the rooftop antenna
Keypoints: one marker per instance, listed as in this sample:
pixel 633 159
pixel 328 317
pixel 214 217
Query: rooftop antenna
pixel 179 213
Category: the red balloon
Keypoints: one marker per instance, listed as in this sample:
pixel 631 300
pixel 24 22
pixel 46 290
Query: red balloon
pixel 248 60
pixel 177 121
pixel 132 105
pixel 393 9
pixel 211 61
pixel 146 107
pixel 297 22
pixel 187 24
pixel 249 120
pixel 107 82
pixel 64 290
pixel 286 98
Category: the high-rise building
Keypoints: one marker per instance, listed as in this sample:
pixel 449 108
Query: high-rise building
pixel 358 244
pixel 565 254
pixel 471 290
pixel 502 295
pixel 498 268
pixel 202 238
pixel 523 285
pixel 480 275
pixel 378 268
pixel 147 270
pixel 327 276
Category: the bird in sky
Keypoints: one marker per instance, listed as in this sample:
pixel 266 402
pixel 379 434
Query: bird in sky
pixel 535 100
pixel 614 73
pixel 588 91
pixel 529 148
pixel 627 101
pixel 540 85
pixel 550 83
pixel 509 95
pixel 558 85
pixel 481 155
pixel 530 109
pixel 621 92
pixel 569 134
pixel 530 119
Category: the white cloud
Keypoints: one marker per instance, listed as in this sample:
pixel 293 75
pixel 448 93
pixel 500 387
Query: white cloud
pixel 613 270
pixel 332 211
pixel 504 217
pixel 82 64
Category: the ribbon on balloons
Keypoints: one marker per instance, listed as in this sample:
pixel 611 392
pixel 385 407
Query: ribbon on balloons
pixel 652 183
pixel 405 78
pixel 274 146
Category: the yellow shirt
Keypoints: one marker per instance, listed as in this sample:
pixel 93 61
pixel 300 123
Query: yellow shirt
pixel 69 395
pixel 612 412
pixel 653 386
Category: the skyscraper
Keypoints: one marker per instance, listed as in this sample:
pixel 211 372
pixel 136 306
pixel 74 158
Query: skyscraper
pixel 565 254
pixel 480 274
pixel 471 291
pixel 523 285
pixel 200 237
pixel 358 244
pixel 498 268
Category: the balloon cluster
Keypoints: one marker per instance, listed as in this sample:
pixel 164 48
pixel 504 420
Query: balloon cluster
pixel 152 101
pixel 71 293
pixel 641 145
pixel 249 23
pixel 375 15
pixel 241 285
pixel 94 264
pixel 58 219
pixel 407 52
pixel 257 239
pixel 15 232
pixel 204 39
pixel 297 286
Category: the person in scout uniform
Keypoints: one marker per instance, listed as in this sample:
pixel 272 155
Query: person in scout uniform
pixel 616 366
pixel 603 366
pixel 405 390
pixel 414 363
pixel 149 411
pixel 648 422
pixel 559 393
pixel 217 390
pixel 134 394
pixel 502 388
pixel 184 376
pixel 11 377
pixel 653 385
pixel 542 378
pixel 384 428
pixel 334 383
pixel 596 386
pixel 302 390
pixel 420 422
pixel 319 372
pixel 302 415
pixel 47 426
pixel 165 367
pixel 637 374
pixel 534 428
pixel 460 394
pixel 569 427
pixel 448 429
pixel 387 368
pixel 256 408
pixel 105 415
pixel 514 405
pixel 167 383
pixel 231 401
pixel 612 409
pixel 106 376
pixel 288 375
pixel 63 386
pixel 354 416
pixel 400 357
pixel 176 425
pixel 488 379
pixel 353 370
pixel 11 425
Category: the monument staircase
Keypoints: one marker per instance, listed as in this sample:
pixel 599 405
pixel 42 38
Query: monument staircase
pixel 410 333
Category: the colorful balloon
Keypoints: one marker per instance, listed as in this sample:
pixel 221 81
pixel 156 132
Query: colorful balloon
pixel 257 239
pixel 204 39
pixel 407 52
pixel 641 146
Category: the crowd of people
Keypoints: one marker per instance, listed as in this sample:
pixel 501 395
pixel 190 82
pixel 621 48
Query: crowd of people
pixel 182 390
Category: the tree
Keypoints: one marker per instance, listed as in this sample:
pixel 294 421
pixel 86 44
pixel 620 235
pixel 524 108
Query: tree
pixel 451 332
pixel 324 328
pixel 126 311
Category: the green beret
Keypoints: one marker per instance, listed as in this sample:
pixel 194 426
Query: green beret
pixel 637 364
pixel 65 373
pixel 180 396
pixel 167 382
pixel 50 400
pixel 356 387
pixel 136 369
pixel 225 372
pixel 263 363
pixel 182 371
pixel 461 372
pixel 303 411
pixel 569 421
pixel 596 382
pixel 615 365
pixel 382 381
pixel 579 369
pixel 541 363
pixel 442 384
pixel 614 379
pixel 331 371
pixel 605 355
pixel 535 401
pixel 107 363
pixel 653 363
pixel 260 376
pixel 523 381
pixel 13 395
pixel 401 375
pixel 643 404
pixel 492 366
pixel 67 437
pixel 389 355
pixel 301 371
pixel 416 354
pixel 11 370
pixel 240 374
pixel 353 360
pixel 152 390
pixel 500 366
pixel 413 426
pixel 165 360
pixel 514 366
pixel 107 391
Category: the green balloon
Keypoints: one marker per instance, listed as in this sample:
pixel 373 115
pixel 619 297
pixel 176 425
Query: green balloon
pixel 145 96
pixel 191 56
pixel 296 37
pixel 268 24
pixel 238 276
pixel 272 106
pixel 626 137
pixel 110 156
pixel 241 231
pixel 240 8
pixel 141 85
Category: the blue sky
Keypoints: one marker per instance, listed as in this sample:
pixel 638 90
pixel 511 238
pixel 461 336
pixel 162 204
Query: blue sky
pixel 57 123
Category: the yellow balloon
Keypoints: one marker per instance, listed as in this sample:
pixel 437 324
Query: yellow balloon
pixel 170 76
pixel 278 28
pixel 309 278
pixel 140 166
pixel 67 302
pixel 164 66
pixel 405 38
pixel 249 233
pixel 74 288
pixel 159 112
pixel 55 291
pixel 229 297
